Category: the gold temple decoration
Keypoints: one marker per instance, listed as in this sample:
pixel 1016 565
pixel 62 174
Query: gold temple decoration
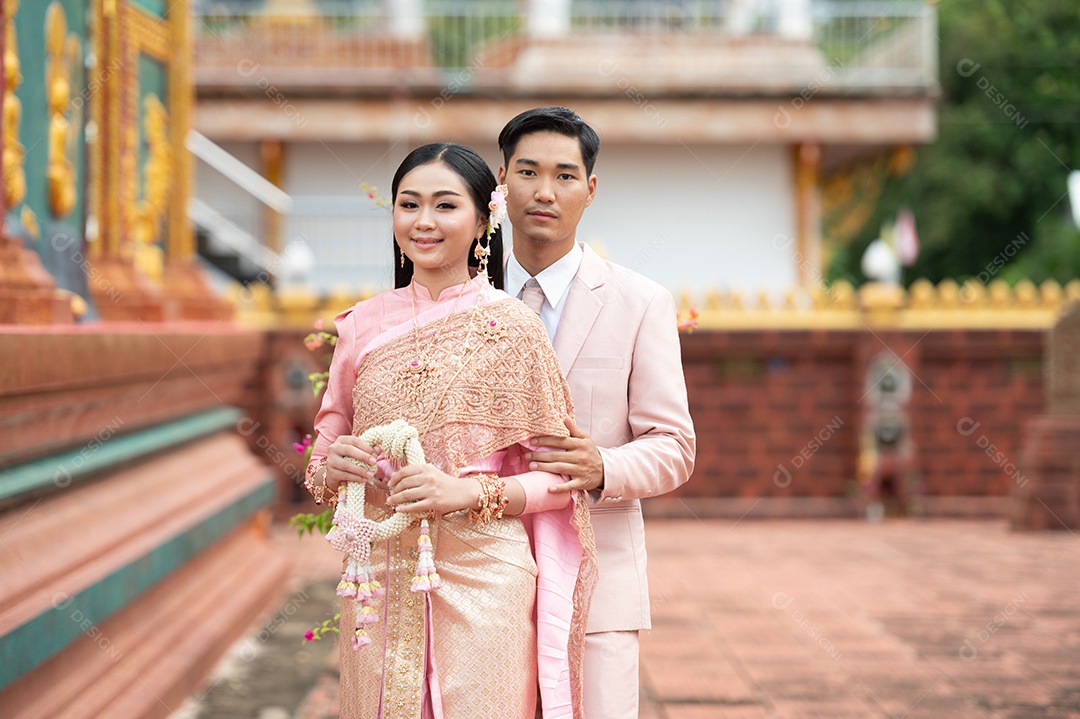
pixel 157 173
pixel 30 223
pixel 923 306
pixel 150 33
pixel 181 243
pixel 63 52
pixel 128 113
pixel 14 176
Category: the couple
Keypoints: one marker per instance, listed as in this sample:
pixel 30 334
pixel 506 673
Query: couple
pixel 523 441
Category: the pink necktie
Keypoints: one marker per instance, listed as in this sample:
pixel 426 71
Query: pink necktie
pixel 532 295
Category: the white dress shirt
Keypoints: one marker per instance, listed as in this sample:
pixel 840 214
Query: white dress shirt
pixel 554 281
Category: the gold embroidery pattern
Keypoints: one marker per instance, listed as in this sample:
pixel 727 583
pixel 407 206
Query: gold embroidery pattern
pixel 508 389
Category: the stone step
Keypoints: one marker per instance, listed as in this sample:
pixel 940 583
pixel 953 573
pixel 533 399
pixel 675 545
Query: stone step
pixel 144 661
pixel 103 544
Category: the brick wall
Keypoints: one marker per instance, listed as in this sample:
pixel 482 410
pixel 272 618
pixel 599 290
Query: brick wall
pixel 778 414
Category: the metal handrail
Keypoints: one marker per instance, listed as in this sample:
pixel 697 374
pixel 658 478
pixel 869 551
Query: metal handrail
pixel 250 181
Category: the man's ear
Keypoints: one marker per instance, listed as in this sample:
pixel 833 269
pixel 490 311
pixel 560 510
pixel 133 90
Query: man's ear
pixel 592 190
pixel 502 175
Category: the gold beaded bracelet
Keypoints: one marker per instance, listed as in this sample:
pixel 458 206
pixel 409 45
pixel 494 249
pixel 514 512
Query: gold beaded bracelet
pixel 492 499
pixel 320 492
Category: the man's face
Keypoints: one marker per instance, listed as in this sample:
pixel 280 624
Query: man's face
pixel 547 188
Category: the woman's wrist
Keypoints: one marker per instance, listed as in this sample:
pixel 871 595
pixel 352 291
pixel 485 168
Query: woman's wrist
pixel 491 499
pixel 472 493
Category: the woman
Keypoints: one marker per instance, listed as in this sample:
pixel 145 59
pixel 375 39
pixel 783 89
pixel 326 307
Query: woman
pixel 472 370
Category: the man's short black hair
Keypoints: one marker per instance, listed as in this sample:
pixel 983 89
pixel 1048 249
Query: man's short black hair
pixel 550 119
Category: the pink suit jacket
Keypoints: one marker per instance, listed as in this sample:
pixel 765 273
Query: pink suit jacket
pixel 618 345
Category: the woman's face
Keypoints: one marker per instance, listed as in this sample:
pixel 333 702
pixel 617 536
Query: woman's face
pixel 435 222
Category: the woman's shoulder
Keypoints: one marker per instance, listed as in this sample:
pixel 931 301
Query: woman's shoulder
pixel 363 312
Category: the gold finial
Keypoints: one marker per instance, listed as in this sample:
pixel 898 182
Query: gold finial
pixel 1000 294
pixel 842 295
pixel 1051 294
pixel 921 294
pixel 1027 296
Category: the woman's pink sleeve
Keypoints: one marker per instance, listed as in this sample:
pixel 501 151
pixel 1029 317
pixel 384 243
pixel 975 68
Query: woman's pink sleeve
pixel 335 415
pixel 510 462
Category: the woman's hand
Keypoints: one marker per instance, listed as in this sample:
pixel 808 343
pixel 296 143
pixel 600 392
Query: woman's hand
pixel 340 466
pixel 427 488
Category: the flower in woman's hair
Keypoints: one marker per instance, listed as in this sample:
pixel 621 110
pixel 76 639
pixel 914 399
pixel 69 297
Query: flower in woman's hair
pixel 496 209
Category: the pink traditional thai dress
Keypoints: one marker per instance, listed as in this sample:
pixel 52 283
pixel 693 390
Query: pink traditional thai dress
pixel 475 374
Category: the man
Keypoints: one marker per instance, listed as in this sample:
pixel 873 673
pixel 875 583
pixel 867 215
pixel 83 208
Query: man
pixel 615 334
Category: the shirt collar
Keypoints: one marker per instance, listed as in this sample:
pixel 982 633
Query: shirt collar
pixel 554 280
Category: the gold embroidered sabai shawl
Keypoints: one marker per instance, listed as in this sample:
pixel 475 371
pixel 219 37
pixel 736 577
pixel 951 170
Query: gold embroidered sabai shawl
pixel 492 381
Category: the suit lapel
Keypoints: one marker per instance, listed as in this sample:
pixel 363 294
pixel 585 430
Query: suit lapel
pixel 583 306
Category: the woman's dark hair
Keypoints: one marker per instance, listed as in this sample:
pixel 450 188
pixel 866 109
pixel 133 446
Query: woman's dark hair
pixel 550 119
pixel 477 177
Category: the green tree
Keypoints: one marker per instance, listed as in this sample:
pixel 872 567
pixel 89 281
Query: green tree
pixel 993 186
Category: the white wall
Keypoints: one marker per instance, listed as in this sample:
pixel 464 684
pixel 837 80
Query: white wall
pixel 350 238
pixel 696 217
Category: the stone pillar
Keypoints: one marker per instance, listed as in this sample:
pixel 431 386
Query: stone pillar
pixel 807 214
pixel 1050 498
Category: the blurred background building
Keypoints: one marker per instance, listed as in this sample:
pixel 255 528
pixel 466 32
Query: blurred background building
pixel 719 120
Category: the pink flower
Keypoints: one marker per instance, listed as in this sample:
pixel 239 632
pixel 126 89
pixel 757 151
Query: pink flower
pixel 309 635
pixel 318 324
pixel 313 342
pixel 496 208
pixel 302 447
pixel 688 325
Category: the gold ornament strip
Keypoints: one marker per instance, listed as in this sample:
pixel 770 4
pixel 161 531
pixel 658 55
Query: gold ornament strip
pixel 64 55
pixel 149 34
pixel 14 175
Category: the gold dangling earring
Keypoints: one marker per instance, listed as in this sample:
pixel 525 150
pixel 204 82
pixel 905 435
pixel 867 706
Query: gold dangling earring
pixel 402 260
pixel 482 253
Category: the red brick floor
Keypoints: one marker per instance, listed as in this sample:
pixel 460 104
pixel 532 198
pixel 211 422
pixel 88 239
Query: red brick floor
pixel 804 619
pixel 912 619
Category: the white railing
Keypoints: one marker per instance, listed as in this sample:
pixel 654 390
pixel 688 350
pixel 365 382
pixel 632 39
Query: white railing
pixel 345 240
pixel 870 44
pixel 350 240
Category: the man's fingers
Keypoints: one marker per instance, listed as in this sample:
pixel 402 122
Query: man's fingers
pixel 574 431
pixel 553 467
pixel 549 457
pixel 556 442
pixel 566 486
pixel 407 471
